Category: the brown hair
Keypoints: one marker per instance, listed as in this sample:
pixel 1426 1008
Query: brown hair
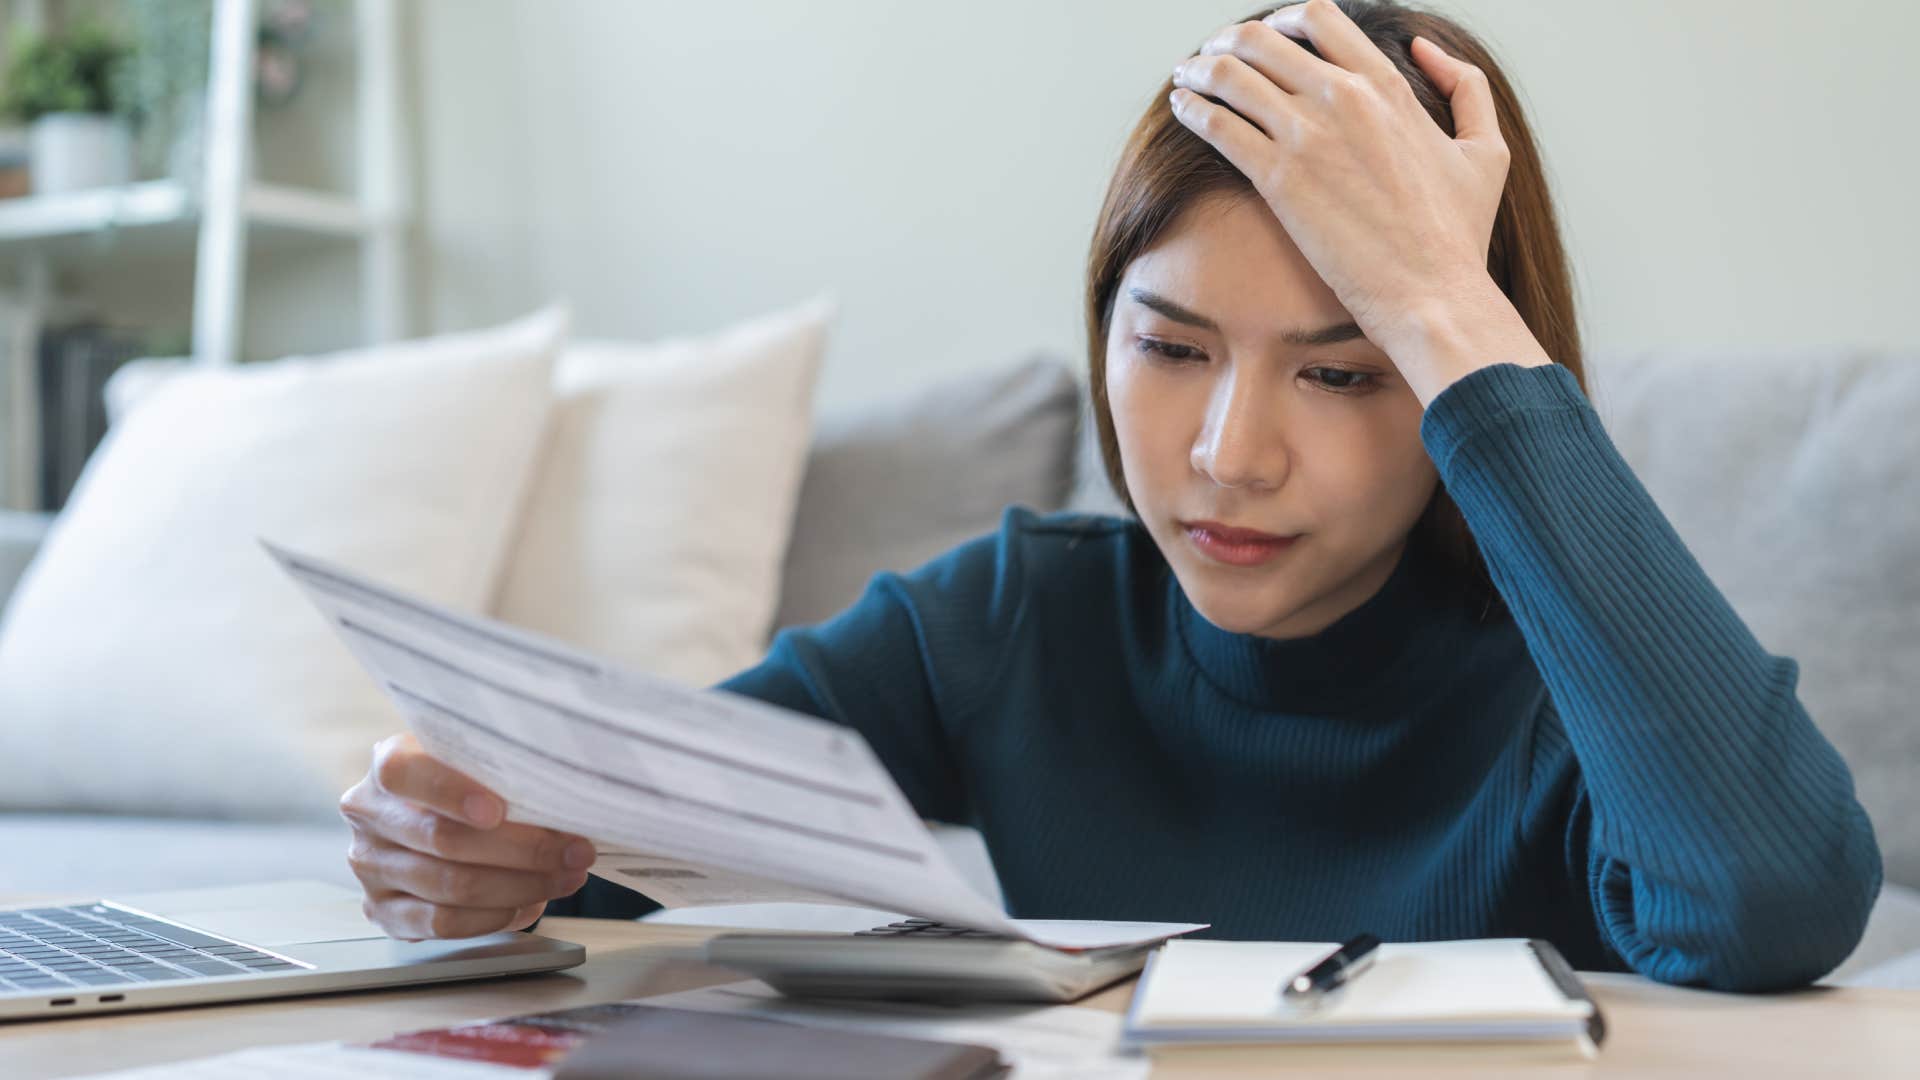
pixel 1165 168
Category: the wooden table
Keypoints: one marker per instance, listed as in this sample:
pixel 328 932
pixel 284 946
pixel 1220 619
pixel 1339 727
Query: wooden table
pixel 1654 1030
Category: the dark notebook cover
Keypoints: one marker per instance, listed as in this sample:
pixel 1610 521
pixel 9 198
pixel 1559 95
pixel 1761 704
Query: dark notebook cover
pixel 653 1043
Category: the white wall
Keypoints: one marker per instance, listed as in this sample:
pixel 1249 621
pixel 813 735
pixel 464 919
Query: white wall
pixel 1729 171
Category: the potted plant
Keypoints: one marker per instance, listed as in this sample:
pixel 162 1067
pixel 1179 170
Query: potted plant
pixel 68 89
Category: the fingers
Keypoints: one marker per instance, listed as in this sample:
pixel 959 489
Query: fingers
pixel 527 916
pixel 402 768
pixel 1242 89
pixel 1238 141
pixel 383 866
pixel 1272 54
pixel 1334 36
pixel 510 846
pixel 412 896
pixel 1475 119
pixel 436 857
pixel 410 918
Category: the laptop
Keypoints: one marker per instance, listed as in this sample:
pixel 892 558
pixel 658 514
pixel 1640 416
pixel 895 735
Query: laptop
pixel 199 946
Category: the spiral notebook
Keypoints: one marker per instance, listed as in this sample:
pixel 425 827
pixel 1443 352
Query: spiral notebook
pixel 1487 990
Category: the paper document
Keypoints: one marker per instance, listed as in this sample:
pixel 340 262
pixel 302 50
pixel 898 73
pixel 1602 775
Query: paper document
pixel 323 1061
pixel 693 796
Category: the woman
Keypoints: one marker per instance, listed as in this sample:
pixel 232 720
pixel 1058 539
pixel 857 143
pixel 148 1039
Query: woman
pixel 1392 640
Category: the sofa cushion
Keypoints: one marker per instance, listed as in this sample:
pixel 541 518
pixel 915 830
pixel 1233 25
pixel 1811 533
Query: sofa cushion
pixel 102 855
pixel 889 487
pixel 156 660
pixel 660 509
pixel 1791 476
pixel 20 537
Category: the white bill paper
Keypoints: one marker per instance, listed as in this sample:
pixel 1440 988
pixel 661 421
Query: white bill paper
pixel 693 796
pixel 322 1061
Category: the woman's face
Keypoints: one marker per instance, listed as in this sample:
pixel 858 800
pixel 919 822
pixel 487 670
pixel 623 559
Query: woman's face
pixel 1227 412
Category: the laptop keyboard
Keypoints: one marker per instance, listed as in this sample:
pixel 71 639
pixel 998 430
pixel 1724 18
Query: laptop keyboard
pixel 90 945
pixel 922 929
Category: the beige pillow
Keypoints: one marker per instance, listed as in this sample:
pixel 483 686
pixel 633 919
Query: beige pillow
pixel 155 660
pixel 665 495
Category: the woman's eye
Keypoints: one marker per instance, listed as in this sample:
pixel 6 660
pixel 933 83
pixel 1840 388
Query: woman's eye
pixel 1341 379
pixel 1170 350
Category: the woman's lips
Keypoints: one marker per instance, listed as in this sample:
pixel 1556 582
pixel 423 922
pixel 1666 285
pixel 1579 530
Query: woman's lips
pixel 1235 547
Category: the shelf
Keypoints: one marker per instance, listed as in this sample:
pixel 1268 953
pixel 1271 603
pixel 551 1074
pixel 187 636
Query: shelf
pixel 39 217
pixel 159 217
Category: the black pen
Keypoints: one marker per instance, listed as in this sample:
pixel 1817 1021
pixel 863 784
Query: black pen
pixel 1336 969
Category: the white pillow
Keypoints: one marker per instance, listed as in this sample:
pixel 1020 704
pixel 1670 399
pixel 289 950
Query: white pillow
pixel 659 517
pixel 155 659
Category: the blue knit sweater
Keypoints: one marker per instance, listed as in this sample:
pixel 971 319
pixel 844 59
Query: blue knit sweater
pixel 1614 764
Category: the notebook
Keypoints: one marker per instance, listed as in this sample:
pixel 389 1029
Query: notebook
pixel 1489 990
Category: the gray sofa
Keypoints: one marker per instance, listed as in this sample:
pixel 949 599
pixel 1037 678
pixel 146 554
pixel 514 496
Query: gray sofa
pixel 1790 476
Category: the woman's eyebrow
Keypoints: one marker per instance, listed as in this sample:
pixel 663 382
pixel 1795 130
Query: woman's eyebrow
pixel 1326 335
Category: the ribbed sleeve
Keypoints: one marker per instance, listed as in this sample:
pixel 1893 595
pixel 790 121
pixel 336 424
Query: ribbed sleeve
pixel 1725 846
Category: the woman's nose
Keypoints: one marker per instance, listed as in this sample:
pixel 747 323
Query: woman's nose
pixel 1240 444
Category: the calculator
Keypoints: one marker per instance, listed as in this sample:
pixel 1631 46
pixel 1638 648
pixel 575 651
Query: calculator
pixel 923 960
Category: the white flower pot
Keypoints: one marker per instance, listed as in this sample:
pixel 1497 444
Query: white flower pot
pixel 75 151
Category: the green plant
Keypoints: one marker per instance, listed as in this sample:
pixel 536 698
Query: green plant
pixel 169 58
pixel 166 80
pixel 82 70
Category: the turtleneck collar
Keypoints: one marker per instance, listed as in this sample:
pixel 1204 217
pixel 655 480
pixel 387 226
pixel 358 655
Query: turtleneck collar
pixel 1377 657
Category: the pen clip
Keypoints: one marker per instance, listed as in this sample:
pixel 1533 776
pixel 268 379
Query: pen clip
pixel 1332 972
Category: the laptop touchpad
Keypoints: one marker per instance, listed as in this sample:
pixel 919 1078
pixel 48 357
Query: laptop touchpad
pixel 290 913
pixel 338 920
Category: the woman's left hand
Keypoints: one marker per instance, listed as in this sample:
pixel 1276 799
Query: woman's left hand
pixel 1394 215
